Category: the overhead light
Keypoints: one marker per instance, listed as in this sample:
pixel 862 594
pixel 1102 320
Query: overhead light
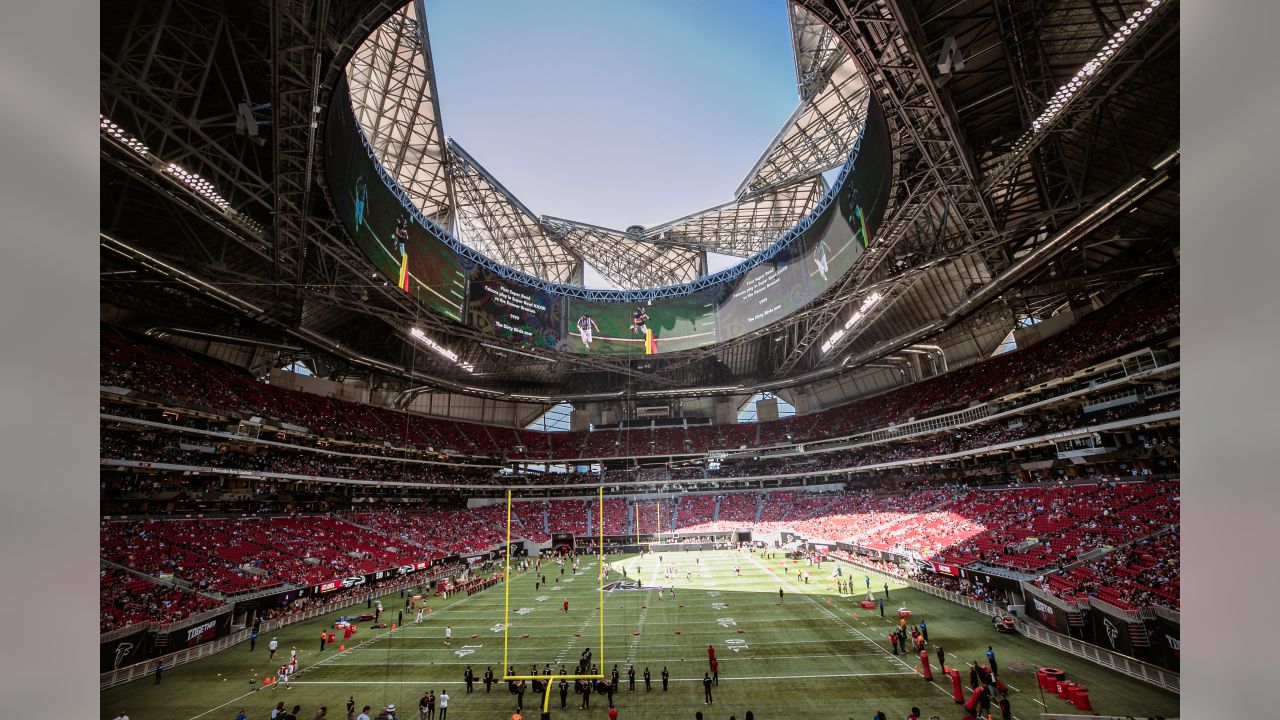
pixel 1063 96
pixel 440 349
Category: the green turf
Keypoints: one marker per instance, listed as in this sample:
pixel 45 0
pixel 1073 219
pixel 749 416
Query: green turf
pixel 803 658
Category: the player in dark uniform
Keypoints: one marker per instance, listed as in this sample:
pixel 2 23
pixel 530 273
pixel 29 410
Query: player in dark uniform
pixel 488 678
pixel 665 676
pixel 639 321
pixel 648 680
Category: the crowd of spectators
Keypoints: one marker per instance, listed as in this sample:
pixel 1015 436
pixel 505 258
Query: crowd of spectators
pixel 1146 572
pixel 127 599
pixel 148 367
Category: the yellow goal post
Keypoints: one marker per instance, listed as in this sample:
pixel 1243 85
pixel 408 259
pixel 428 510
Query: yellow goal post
pixel 506 607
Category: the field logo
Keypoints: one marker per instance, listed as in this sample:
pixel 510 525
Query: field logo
pixel 122 652
pixel 524 611
pixel 719 606
pixel 498 628
pixel 466 650
pixel 624 585
pixel 1111 630
pixel 736 644
pixel 726 622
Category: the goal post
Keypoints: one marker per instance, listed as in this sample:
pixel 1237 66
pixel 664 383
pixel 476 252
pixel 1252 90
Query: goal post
pixel 506 607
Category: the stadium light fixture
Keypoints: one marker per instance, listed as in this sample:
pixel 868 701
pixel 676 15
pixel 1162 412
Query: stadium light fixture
pixel 441 350
pixel 123 137
pixel 200 187
pixel 867 304
pixel 1063 96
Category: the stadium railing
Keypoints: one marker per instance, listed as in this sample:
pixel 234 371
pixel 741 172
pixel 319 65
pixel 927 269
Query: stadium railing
pixel 1132 667
pixel 1121 663
pixel 165 627
pixel 186 655
pixel 1056 716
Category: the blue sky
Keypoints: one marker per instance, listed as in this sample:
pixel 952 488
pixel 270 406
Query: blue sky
pixel 614 112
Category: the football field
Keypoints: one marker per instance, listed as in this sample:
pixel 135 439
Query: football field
pixel 810 654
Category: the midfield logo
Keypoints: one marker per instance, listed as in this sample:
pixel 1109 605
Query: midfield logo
pixel 625 585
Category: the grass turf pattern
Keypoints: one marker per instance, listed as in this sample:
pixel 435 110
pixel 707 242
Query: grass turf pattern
pixel 816 654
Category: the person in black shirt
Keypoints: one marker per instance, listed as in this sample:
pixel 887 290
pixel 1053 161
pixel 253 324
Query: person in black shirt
pixel 665 677
pixel 520 696
pixel 488 678
pixel 648 680
pixel 941 661
pixel 612 687
pixel 469 677
pixel 584 686
pixel 706 689
pixel 1005 712
pixel 564 693
pixel 631 679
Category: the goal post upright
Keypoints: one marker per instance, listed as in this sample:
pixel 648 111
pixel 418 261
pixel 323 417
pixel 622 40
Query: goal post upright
pixel 551 679
pixel 602 577
pixel 506 585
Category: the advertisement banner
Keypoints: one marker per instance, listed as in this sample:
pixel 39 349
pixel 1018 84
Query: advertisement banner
pixel 359 580
pixel 1166 643
pixel 125 651
pixel 941 569
pixel 199 633
pixel 1047 609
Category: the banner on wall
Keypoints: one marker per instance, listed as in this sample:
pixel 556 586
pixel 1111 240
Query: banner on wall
pixel 127 650
pixel 200 633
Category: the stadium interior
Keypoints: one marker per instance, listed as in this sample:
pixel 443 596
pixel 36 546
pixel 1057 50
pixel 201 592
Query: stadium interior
pixel 980 403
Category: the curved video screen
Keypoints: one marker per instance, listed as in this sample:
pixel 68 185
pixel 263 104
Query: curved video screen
pixel 400 245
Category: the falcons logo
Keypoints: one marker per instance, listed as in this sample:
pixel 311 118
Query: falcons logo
pixel 122 652
pixel 1112 632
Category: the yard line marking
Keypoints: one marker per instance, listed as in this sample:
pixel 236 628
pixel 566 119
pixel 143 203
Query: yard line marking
pixel 846 624
pixel 819 676
pixel 328 659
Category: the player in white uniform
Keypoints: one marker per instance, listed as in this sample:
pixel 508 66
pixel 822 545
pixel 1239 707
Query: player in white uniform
pixel 448 634
pixel 585 327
